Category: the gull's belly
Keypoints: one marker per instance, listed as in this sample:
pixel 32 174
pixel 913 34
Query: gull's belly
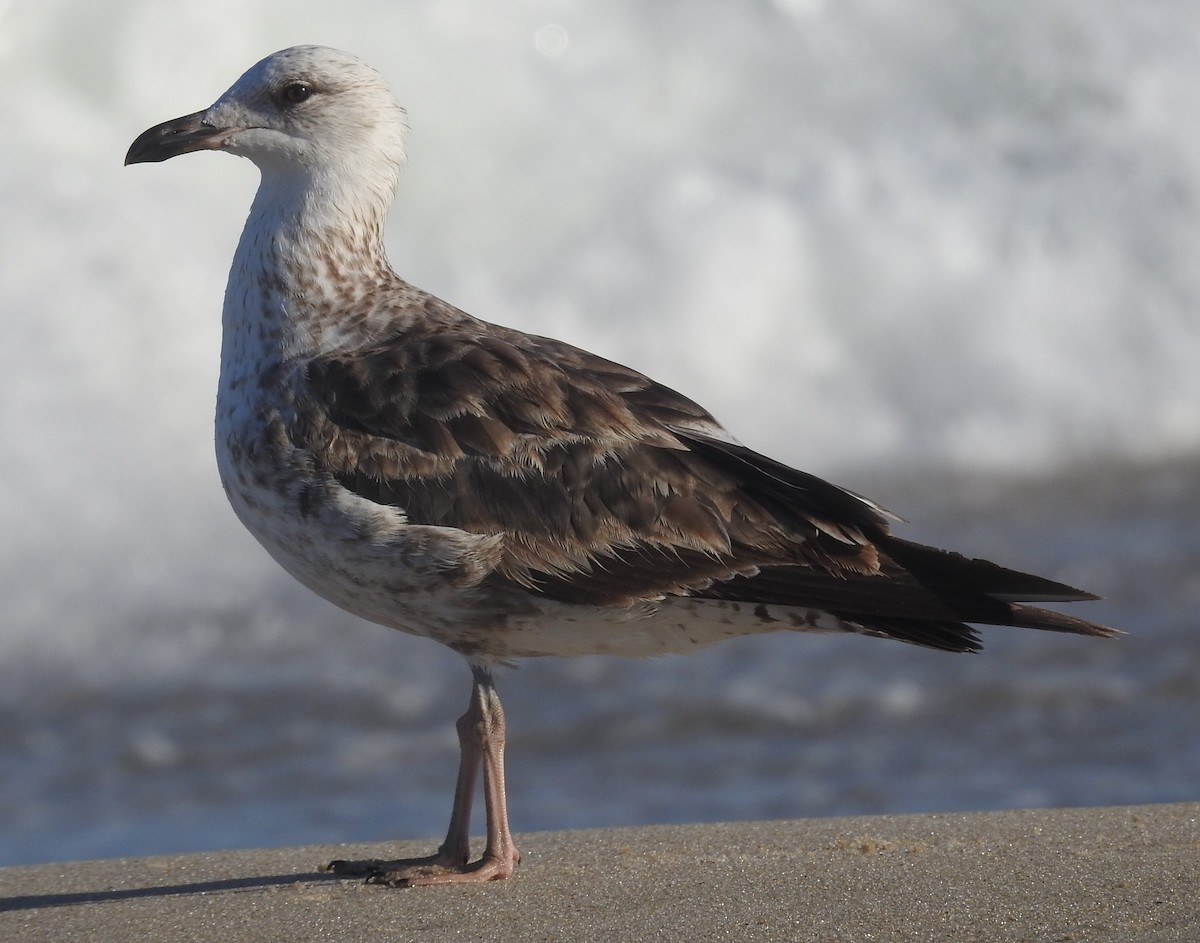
pixel 361 556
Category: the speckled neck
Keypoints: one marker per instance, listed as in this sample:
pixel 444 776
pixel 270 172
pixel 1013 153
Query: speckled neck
pixel 307 256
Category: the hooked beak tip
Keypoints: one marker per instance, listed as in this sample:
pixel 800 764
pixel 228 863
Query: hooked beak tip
pixel 175 137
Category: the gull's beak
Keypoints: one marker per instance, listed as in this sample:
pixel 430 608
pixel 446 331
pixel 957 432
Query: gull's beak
pixel 175 137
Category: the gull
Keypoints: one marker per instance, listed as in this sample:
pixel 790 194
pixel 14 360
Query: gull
pixel 505 494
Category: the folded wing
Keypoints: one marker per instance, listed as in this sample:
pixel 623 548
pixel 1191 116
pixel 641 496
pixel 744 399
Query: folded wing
pixel 609 489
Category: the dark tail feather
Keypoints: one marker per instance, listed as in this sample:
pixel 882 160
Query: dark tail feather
pixel 1031 617
pixel 936 568
pixel 960 637
pixel 944 636
pixel 977 591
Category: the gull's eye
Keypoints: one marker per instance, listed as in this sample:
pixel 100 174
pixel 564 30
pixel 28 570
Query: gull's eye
pixel 295 93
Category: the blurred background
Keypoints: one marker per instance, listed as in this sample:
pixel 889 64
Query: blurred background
pixel 941 252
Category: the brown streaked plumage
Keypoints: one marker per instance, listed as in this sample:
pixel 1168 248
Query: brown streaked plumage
pixel 506 494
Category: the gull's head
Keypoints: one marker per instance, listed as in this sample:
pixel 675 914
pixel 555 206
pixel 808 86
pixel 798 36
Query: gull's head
pixel 307 110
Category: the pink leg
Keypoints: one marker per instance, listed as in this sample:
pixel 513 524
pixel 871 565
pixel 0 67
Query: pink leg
pixel 481 741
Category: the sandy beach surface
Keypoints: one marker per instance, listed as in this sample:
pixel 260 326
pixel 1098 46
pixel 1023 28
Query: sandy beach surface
pixel 1126 873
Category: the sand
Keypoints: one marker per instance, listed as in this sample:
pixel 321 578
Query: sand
pixel 1121 873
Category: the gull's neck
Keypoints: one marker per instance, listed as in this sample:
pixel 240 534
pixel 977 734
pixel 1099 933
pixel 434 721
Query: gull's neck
pixel 309 261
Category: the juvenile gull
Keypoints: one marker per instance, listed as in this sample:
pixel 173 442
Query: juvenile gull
pixel 505 494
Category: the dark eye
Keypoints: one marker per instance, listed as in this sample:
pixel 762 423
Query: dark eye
pixel 295 93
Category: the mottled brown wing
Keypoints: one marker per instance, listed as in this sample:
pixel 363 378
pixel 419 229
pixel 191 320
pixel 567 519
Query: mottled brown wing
pixel 597 477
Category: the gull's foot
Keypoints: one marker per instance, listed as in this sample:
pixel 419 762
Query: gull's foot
pixel 421 872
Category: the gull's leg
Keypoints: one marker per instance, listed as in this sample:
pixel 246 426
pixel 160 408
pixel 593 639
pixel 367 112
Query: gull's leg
pixel 481 741
pixel 483 726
